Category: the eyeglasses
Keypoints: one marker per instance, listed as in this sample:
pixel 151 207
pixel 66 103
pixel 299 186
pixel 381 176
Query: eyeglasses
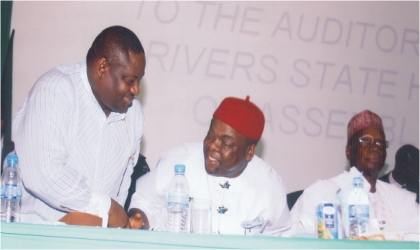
pixel 367 141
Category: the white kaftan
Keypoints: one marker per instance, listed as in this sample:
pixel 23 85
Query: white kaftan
pixel 394 209
pixel 258 192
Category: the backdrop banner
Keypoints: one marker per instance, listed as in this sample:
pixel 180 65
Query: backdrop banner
pixel 310 66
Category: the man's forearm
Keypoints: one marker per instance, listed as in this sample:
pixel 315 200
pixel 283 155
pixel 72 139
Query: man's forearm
pixel 117 215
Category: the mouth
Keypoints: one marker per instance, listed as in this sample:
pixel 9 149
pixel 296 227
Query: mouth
pixel 129 99
pixel 211 160
pixel 373 165
pixel 211 164
pixel 373 158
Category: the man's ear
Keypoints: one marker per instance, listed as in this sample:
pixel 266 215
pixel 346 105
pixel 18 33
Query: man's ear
pixel 250 152
pixel 100 67
pixel 348 152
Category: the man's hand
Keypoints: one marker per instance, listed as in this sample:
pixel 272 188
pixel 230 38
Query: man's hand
pixel 81 219
pixel 117 217
pixel 137 219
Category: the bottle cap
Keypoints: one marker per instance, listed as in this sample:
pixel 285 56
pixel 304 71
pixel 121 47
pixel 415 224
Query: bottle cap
pixel 179 169
pixel 12 160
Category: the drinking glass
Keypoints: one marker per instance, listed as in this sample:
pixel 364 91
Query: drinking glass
pixel 201 216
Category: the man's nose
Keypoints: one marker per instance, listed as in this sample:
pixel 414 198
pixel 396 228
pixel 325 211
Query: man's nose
pixel 135 89
pixel 213 144
pixel 374 147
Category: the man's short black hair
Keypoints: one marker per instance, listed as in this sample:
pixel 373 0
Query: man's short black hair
pixel 407 154
pixel 113 43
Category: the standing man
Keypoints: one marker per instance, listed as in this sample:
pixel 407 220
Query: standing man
pixel 78 133
pixel 406 170
pixel 392 210
pixel 243 188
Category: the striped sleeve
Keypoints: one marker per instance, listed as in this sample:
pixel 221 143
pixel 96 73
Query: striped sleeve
pixel 41 131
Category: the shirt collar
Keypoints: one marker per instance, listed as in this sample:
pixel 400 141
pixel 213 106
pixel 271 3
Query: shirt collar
pixel 393 181
pixel 115 117
pixel 83 76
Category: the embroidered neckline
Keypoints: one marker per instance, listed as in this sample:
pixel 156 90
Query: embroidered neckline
pixel 221 210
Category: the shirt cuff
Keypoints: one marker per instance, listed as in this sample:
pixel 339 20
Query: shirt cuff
pixel 99 205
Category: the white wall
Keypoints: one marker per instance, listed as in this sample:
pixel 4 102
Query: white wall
pixel 309 65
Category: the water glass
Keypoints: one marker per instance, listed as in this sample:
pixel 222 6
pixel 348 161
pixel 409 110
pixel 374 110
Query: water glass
pixel 201 216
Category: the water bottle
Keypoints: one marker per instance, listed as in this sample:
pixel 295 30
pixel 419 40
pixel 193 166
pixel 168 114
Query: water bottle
pixel 358 208
pixel 11 191
pixel 178 201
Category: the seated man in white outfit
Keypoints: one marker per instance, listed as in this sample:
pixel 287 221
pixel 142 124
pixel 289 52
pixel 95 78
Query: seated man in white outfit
pixel 394 212
pixel 224 169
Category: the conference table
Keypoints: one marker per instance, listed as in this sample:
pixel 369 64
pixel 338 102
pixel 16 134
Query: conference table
pixel 20 235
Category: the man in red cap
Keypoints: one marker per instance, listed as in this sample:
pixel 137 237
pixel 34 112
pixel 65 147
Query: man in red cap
pixel 393 211
pixel 247 195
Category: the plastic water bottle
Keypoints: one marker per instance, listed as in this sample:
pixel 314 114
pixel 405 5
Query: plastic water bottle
pixel 358 208
pixel 178 201
pixel 11 191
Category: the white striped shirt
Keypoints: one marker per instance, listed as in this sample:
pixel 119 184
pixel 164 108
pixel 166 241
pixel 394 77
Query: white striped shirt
pixel 68 149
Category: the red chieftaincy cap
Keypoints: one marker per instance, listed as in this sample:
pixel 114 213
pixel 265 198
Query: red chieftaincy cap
pixel 362 120
pixel 242 115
